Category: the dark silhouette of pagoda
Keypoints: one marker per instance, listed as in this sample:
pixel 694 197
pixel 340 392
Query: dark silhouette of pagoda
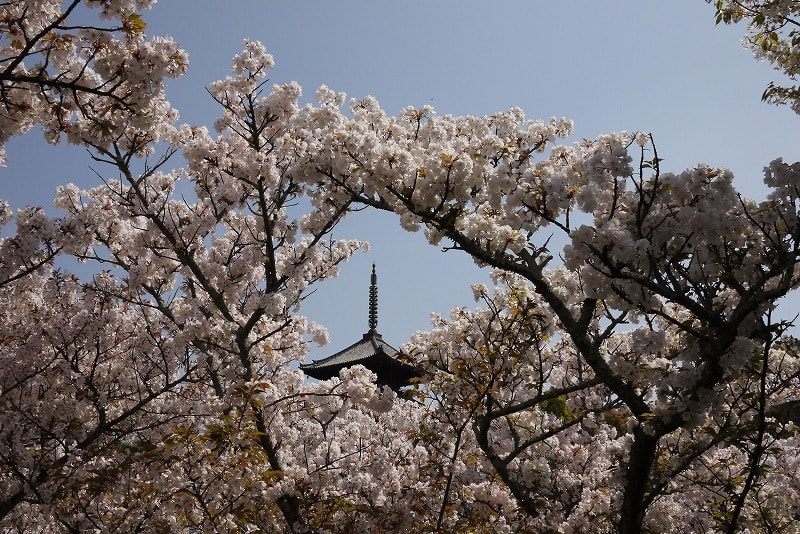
pixel 371 351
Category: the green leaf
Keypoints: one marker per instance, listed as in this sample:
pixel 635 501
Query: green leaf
pixel 134 23
pixel 558 407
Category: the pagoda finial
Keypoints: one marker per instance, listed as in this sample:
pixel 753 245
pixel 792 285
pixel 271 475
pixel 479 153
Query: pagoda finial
pixel 373 302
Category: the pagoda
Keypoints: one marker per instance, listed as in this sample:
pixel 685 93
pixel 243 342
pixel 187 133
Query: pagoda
pixel 371 351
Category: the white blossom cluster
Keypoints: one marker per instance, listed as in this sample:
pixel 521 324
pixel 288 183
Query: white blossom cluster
pixel 93 84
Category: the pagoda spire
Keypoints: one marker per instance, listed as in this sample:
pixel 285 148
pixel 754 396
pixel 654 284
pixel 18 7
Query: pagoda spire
pixel 371 351
pixel 373 302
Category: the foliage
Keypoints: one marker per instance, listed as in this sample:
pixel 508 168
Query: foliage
pixel 78 78
pixel 774 35
pixel 660 312
pixel 639 382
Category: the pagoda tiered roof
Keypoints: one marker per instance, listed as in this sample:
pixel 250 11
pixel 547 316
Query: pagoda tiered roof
pixel 371 351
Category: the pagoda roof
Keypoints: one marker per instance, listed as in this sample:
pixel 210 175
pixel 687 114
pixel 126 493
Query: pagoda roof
pixel 369 346
pixel 371 351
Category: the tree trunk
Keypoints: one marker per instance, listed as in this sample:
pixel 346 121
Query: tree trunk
pixel 640 462
pixel 8 505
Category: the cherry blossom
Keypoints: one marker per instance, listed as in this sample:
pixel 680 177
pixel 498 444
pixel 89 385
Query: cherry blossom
pixel 92 82
pixel 683 255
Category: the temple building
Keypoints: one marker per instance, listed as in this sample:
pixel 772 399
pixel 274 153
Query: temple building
pixel 371 351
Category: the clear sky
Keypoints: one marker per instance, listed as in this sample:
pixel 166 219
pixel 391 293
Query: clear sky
pixel 661 67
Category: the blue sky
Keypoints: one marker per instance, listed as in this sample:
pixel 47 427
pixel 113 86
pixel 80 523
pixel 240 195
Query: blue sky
pixel 662 67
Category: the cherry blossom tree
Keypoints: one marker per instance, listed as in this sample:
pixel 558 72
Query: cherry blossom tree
pixel 172 366
pixel 660 314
